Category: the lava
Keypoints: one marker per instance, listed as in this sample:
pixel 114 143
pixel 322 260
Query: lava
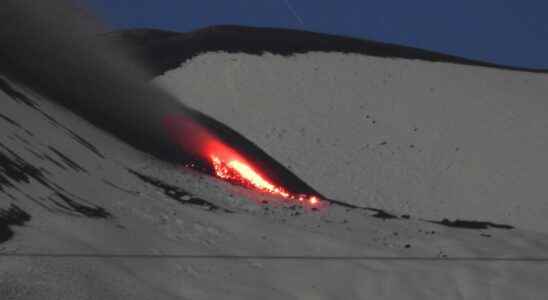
pixel 240 172
pixel 227 163
pixel 231 166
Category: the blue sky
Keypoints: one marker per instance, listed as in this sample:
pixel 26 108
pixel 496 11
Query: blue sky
pixel 505 31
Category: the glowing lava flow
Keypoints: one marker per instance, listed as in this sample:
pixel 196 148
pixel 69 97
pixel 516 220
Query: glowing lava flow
pixel 235 170
pixel 240 172
pixel 227 163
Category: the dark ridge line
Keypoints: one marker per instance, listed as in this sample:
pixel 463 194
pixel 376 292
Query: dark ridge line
pixel 14 123
pixel 90 210
pixel 379 213
pixel 279 257
pixel 85 143
pixel 467 224
pixel 72 134
pixel 10 121
pixel 134 193
pixel 7 88
pixel 36 154
pixel 18 96
pixel 167 50
pixel 140 36
pixel 21 139
pixel 178 194
pixel 95 212
pixel 13 216
pixel 53 161
pixel 69 162
pixel 15 169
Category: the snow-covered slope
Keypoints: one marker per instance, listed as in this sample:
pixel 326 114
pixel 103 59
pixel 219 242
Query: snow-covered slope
pixel 85 216
pixel 431 139
pixel 93 202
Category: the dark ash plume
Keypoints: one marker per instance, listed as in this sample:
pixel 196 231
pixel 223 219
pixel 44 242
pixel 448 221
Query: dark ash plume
pixel 52 47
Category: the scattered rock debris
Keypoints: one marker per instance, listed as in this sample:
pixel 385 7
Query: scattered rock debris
pixel 178 194
pixel 471 224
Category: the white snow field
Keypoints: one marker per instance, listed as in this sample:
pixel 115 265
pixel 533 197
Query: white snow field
pixel 430 139
pixel 84 216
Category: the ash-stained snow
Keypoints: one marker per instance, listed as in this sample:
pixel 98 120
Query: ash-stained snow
pixel 148 209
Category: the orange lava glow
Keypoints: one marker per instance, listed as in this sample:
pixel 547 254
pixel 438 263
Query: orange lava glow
pixel 227 163
pixel 241 172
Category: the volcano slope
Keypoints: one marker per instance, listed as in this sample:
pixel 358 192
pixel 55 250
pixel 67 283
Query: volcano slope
pixel 422 133
pixel 85 216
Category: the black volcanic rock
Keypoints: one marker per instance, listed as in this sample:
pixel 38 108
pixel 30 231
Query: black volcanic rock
pixel 471 224
pixel 166 50
pixel 12 216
